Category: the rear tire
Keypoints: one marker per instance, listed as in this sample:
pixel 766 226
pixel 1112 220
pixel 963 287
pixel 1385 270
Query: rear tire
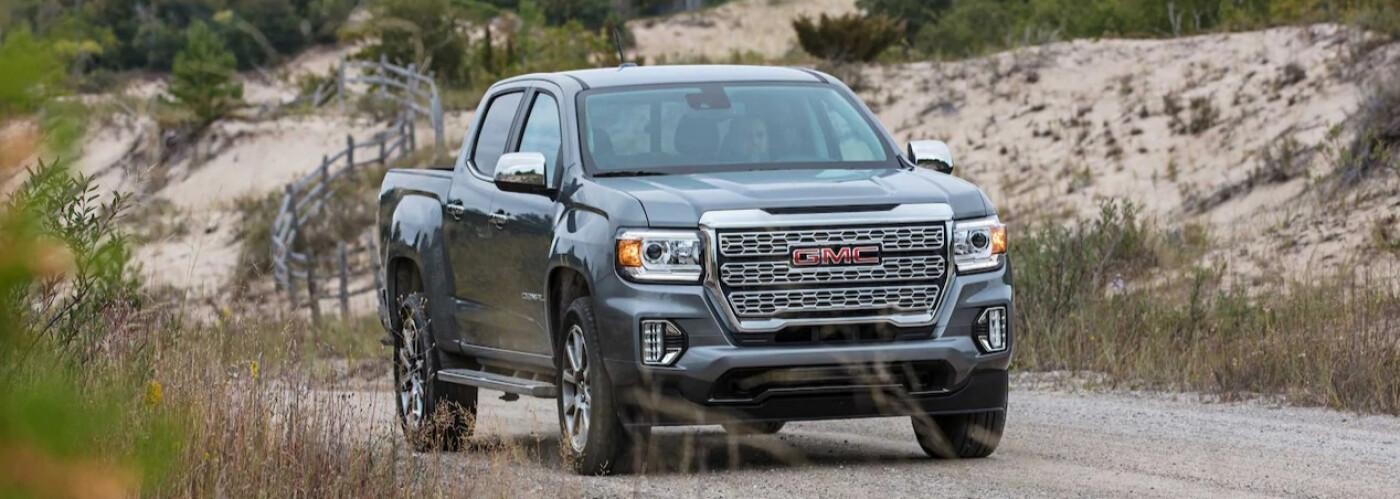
pixel 755 428
pixel 974 435
pixel 592 437
pixel 434 415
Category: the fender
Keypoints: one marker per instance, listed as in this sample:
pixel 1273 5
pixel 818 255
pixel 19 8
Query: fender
pixel 415 234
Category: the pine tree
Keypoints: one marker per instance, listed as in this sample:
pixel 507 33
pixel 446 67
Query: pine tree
pixel 203 76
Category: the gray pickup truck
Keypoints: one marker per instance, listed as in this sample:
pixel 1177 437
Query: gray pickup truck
pixel 675 245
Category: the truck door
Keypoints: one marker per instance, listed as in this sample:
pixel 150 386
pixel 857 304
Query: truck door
pixel 468 226
pixel 525 224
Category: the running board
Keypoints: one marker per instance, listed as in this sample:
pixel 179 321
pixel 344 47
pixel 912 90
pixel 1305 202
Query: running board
pixel 492 381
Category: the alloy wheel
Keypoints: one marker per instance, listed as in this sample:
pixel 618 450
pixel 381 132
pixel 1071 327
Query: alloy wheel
pixel 576 396
pixel 410 369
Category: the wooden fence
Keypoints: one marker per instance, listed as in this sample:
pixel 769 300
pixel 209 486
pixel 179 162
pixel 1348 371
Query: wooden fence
pixel 297 267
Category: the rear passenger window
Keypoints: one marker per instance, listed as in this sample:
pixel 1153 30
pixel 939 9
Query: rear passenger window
pixel 495 128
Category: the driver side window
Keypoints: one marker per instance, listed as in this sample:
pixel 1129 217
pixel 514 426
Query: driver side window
pixel 495 129
pixel 542 133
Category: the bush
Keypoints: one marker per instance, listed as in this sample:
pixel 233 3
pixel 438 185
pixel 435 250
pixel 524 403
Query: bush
pixel 31 71
pixel 915 13
pixel 1374 146
pixel 203 78
pixel 147 35
pixel 847 38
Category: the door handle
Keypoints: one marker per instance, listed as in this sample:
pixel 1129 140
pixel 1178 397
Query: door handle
pixel 499 219
pixel 456 209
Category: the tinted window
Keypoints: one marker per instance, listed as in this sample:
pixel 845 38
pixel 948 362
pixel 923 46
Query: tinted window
pixel 728 126
pixel 495 128
pixel 542 133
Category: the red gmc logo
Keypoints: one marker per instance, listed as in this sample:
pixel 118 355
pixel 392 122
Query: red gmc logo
pixel 844 255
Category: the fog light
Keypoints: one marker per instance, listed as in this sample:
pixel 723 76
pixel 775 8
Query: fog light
pixel 990 329
pixel 662 343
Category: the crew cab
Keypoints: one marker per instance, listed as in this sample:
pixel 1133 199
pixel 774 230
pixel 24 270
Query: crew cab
pixel 681 245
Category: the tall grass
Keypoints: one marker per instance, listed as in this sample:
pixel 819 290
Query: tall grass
pixel 1116 295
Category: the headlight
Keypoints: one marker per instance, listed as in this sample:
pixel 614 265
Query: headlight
pixel 978 244
pixel 660 255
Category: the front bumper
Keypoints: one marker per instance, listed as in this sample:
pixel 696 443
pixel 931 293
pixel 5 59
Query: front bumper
pixel 718 380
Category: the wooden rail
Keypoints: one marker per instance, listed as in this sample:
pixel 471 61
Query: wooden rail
pixel 295 265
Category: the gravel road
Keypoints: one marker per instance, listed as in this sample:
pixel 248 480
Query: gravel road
pixel 1057 443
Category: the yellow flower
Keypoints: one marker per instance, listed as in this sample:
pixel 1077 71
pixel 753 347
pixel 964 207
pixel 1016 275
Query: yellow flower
pixel 154 393
pixel 253 369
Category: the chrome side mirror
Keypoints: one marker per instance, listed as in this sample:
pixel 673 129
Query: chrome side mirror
pixel 521 172
pixel 933 154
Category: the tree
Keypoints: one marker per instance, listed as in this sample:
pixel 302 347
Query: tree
pixel 915 13
pixel 847 38
pixel 203 76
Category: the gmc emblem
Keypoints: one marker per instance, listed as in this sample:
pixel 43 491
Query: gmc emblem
pixel 843 255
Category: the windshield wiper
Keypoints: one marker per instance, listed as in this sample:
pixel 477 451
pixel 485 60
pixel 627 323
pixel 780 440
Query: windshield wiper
pixel 629 173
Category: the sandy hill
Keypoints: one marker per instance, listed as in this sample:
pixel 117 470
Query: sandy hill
pixel 1228 132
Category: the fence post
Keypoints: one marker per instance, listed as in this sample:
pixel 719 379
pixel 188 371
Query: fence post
pixel 383 139
pixel 314 300
pixel 437 123
pixel 344 283
pixel 340 86
pixel 376 266
pixel 290 249
pixel 349 152
pixel 412 134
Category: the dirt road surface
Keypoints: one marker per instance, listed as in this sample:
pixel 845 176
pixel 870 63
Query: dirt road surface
pixel 1057 443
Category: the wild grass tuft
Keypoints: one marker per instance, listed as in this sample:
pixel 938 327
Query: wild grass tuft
pixel 1119 296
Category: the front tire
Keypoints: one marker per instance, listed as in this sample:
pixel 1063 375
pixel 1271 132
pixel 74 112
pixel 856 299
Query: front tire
pixel 974 435
pixel 592 437
pixel 434 415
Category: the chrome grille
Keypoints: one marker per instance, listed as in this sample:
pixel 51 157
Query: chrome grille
pixel 757 278
pixel 767 303
pixel 769 243
pixel 780 273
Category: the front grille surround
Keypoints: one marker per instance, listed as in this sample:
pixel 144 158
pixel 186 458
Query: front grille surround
pixel 761 293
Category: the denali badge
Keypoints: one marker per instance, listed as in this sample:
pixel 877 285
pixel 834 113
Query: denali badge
pixel 842 255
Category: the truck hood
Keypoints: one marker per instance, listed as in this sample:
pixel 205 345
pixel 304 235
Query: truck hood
pixel 679 200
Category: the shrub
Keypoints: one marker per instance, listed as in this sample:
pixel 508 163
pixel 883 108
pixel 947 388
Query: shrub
pixel 1374 146
pixel 203 78
pixel 31 71
pixel 1117 296
pixel 847 38
pixel 915 13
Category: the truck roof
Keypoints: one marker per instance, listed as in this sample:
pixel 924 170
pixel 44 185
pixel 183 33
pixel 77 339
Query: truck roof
pixel 652 75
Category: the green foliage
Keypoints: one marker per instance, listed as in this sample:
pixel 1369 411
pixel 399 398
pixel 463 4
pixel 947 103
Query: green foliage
pixel 31 69
pixel 847 38
pixel 915 13
pixel 76 310
pixel 203 78
pixel 448 38
pixel 971 27
pixel 64 293
pixel 122 34
pixel 430 33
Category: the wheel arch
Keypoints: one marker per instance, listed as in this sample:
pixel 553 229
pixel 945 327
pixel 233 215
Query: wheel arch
pixel 567 280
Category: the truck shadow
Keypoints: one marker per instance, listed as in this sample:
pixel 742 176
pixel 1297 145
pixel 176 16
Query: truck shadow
pixel 707 449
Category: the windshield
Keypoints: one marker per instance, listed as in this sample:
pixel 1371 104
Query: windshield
pixel 708 127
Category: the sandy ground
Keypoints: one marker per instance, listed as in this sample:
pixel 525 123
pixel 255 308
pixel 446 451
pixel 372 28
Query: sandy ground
pixel 760 26
pixel 1058 443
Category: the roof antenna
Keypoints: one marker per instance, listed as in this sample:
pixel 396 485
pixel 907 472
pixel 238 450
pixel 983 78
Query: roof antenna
pixel 621 55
